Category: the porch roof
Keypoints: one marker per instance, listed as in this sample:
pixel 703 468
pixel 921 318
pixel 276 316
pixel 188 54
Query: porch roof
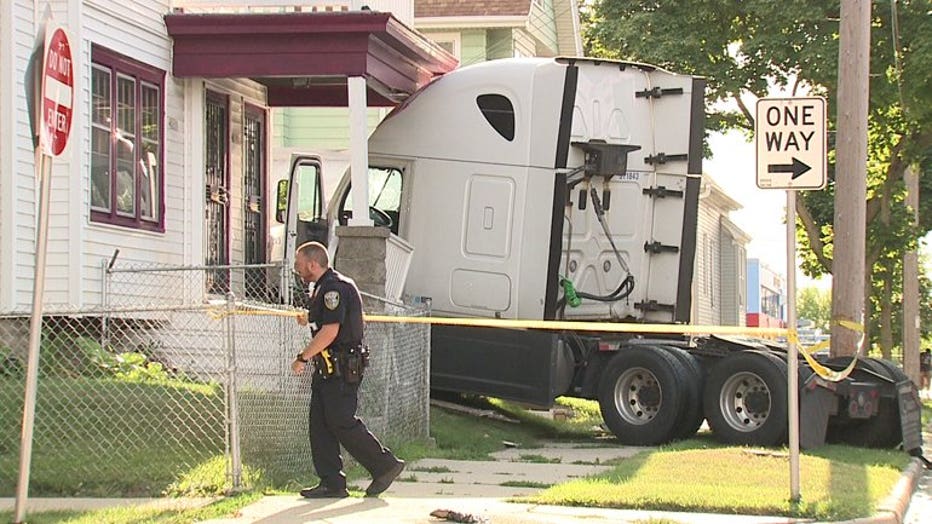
pixel 304 59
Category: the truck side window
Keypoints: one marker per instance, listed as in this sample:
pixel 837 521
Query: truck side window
pixel 308 178
pixel 310 224
pixel 500 114
pixel 385 185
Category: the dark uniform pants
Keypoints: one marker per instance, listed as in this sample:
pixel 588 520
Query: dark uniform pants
pixel 333 421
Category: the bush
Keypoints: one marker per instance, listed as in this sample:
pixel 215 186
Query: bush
pixel 10 364
pixel 83 356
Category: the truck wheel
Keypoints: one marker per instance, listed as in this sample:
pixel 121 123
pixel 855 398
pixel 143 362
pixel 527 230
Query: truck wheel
pixel 880 431
pixel 692 393
pixel 640 396
pixel 745 399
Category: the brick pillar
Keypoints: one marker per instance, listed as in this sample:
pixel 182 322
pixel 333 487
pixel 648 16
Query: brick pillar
pixel 361 256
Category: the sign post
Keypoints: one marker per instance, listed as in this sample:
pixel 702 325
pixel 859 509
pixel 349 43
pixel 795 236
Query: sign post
pixel 790 140
pixel 55 111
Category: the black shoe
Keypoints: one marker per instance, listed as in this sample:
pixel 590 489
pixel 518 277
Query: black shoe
pixel 381 482
pixel 324 492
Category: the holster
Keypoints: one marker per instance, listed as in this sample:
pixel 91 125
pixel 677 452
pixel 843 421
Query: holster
pixel 326 365
pixel 353 362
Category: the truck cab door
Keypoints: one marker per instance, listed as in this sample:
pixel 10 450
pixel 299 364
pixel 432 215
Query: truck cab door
pixel 300 204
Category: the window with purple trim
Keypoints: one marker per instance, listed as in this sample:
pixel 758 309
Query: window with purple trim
pixel 126 141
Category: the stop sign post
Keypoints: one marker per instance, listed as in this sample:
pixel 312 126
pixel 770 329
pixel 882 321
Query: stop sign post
pixel 57 92
pixel 56 102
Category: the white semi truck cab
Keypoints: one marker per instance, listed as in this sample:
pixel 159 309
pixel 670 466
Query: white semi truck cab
pixel 567 189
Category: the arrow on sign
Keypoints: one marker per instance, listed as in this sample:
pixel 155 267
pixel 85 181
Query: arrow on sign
pixel 797 168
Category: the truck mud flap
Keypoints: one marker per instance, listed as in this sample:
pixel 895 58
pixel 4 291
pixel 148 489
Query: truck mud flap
pixel 816 405
pixel 911 419
pixel 532 367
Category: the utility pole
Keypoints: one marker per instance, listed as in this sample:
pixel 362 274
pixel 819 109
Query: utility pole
pixel 911 284
pixel 850 174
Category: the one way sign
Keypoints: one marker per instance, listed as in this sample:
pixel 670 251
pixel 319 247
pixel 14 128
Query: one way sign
pixel 790 138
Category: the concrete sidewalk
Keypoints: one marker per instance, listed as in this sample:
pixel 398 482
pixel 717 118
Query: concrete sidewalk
pixel 404 510
pixel 480 489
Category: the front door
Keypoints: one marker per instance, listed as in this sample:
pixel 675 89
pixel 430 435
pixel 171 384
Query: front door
pixel 217 205
pixel 254 201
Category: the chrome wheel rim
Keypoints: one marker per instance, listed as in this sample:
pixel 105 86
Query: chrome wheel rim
pixel 745 401
pixel 638 396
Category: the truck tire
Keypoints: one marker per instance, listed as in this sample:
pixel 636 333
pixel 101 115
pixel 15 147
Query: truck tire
pixel 745 399
pixel 692 416
pixel 640 395
pixel 880 431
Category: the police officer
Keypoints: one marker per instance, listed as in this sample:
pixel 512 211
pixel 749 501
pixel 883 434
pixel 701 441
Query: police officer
pixel 339 357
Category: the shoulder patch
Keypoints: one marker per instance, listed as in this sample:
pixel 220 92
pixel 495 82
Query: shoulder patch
pixel 332 299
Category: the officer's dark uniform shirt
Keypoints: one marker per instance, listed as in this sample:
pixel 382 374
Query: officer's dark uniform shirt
pixel 336 300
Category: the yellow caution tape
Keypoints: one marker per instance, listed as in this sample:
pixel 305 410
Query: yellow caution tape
pixel 828 374
pixel 562 325
pixel 221 312
pixel 791 335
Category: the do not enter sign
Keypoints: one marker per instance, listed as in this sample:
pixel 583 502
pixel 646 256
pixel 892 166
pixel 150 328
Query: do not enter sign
pixel 57 92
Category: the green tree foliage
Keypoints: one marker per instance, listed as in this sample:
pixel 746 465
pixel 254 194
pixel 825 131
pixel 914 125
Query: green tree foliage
pixel 747 49
pixel 815 305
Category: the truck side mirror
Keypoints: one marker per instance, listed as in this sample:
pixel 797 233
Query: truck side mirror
pixel 281 201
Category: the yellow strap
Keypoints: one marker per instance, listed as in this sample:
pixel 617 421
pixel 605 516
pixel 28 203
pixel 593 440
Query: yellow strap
pixel 828 374
pixel 605 327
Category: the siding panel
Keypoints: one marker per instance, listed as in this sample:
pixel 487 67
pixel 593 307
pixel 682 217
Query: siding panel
pixel 135 30
pixel 18 173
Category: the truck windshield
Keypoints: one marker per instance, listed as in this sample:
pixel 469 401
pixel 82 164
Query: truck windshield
pixel 384 198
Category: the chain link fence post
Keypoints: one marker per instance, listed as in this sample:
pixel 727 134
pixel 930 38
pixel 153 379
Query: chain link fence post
pixel 235 457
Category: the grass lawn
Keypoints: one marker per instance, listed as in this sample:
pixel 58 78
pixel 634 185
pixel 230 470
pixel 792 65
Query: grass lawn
pixel 694 475
pixel 148 442
pixel 837 482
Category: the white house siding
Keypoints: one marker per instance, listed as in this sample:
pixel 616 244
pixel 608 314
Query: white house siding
pixel 137 31
pixel 727 267
pixel 567 27
pixel 706 304
pixel 733 273
pixel 524 44
pixel 729 251
pixel 17 166
pixel 6 157
pixel 542 26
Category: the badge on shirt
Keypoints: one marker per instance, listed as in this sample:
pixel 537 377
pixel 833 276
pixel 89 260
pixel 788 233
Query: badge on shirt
pixel 332 299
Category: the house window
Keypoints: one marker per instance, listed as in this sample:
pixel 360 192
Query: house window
pixel 449 41
pixel 127 177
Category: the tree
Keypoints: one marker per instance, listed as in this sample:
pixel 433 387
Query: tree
pixel 815 304
pixel 746 49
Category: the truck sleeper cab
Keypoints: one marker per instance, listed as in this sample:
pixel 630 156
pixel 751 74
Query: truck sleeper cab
pixel 542 189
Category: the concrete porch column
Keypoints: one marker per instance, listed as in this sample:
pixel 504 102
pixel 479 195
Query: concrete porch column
pixel 361 256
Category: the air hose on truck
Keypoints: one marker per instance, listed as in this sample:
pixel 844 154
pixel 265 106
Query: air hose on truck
pixel 571 296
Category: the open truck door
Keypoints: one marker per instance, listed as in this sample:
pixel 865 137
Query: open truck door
pixel 299 215
pixel 301 204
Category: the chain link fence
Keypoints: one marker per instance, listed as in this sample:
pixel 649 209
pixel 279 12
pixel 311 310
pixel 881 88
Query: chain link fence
pixel 180 383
